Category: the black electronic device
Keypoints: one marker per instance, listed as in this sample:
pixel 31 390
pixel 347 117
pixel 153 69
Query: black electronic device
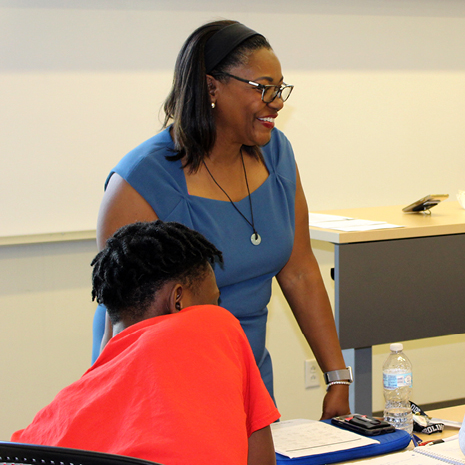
pixel 425 203
pixel 363 424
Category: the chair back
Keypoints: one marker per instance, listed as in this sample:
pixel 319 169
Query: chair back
pixel 17 453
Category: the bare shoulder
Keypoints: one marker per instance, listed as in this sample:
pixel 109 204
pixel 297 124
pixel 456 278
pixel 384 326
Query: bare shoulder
pixel 121 205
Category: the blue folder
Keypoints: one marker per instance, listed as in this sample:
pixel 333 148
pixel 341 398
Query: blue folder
pixel 389 442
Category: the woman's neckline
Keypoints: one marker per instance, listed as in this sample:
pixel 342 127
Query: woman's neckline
pixel 225 200
pixel 193 196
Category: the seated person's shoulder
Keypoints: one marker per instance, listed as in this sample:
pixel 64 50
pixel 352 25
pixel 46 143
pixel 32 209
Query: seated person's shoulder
pixel 214 313
pixel 211 319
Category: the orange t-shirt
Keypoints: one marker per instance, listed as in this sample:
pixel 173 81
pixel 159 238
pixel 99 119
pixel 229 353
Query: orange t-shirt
pixel 176 389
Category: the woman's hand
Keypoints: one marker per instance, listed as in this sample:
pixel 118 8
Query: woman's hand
pixel 336 402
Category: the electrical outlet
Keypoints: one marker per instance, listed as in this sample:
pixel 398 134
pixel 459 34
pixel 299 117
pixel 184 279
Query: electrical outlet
pixel 312 378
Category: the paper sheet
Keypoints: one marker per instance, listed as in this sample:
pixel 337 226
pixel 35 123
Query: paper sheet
pixel 342 223
pixel 446 452
pixel 321 217
pixel 404 458
pixel 300 438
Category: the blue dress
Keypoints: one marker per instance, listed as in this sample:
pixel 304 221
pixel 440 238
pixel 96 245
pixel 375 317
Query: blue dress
pixel 246 276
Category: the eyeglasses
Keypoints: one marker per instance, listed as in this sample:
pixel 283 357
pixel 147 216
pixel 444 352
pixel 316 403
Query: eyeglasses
pixel 269 92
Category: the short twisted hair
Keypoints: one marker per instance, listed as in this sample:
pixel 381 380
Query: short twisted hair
pixel 140 258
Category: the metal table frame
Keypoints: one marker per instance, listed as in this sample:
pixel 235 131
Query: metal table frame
pixel 396 285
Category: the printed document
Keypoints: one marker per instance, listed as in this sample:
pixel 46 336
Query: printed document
pixel 299 438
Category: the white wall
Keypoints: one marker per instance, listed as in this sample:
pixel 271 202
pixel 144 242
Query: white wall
pixel 376 118
pixel 46 320
pixel 378 101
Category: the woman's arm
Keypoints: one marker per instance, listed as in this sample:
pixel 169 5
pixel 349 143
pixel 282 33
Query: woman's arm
pixel 261 448
pixel 121 205
pixel 302 285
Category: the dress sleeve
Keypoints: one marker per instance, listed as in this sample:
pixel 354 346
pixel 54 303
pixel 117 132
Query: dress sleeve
pixel 159 181
pixel 279 157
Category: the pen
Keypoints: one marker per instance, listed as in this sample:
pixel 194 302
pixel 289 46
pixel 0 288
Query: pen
pixel 431 443
pixel 438 441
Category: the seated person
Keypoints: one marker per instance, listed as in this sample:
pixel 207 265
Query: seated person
pixel 177 383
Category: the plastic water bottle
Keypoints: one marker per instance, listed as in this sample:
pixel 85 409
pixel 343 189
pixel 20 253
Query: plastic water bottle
pixel 397 380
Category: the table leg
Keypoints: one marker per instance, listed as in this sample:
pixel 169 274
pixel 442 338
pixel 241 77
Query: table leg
pixel 360 394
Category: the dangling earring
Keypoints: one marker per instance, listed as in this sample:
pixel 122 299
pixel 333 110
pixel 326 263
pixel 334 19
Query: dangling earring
pixel 178 306
pixel 213 105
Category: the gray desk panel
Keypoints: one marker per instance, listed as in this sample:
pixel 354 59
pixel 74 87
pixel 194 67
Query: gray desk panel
pixel 419 282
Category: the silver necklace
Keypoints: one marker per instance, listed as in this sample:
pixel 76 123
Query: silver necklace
pixel 255 238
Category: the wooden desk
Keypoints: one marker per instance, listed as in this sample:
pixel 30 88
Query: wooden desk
pixel 412 275
pixel 451 413
pixel 456 413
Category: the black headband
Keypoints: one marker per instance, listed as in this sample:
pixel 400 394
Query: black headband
pixel 223 42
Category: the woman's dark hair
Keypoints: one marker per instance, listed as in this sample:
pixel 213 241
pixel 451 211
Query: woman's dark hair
pixel 188 105
pixel 140 258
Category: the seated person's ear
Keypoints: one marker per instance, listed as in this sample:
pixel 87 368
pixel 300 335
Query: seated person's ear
pixel 181 296
pixel 175 300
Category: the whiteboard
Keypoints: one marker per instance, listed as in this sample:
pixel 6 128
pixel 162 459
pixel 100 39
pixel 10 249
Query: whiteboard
pixel 376 117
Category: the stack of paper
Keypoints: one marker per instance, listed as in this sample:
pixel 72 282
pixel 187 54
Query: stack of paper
pixel 344 223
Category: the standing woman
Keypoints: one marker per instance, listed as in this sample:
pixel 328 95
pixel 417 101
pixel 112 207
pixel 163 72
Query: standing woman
pixel 220 167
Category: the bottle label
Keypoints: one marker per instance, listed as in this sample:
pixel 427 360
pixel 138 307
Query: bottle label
pixel 394 381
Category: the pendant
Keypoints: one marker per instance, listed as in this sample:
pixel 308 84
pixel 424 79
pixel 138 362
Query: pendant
pixel 255 239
